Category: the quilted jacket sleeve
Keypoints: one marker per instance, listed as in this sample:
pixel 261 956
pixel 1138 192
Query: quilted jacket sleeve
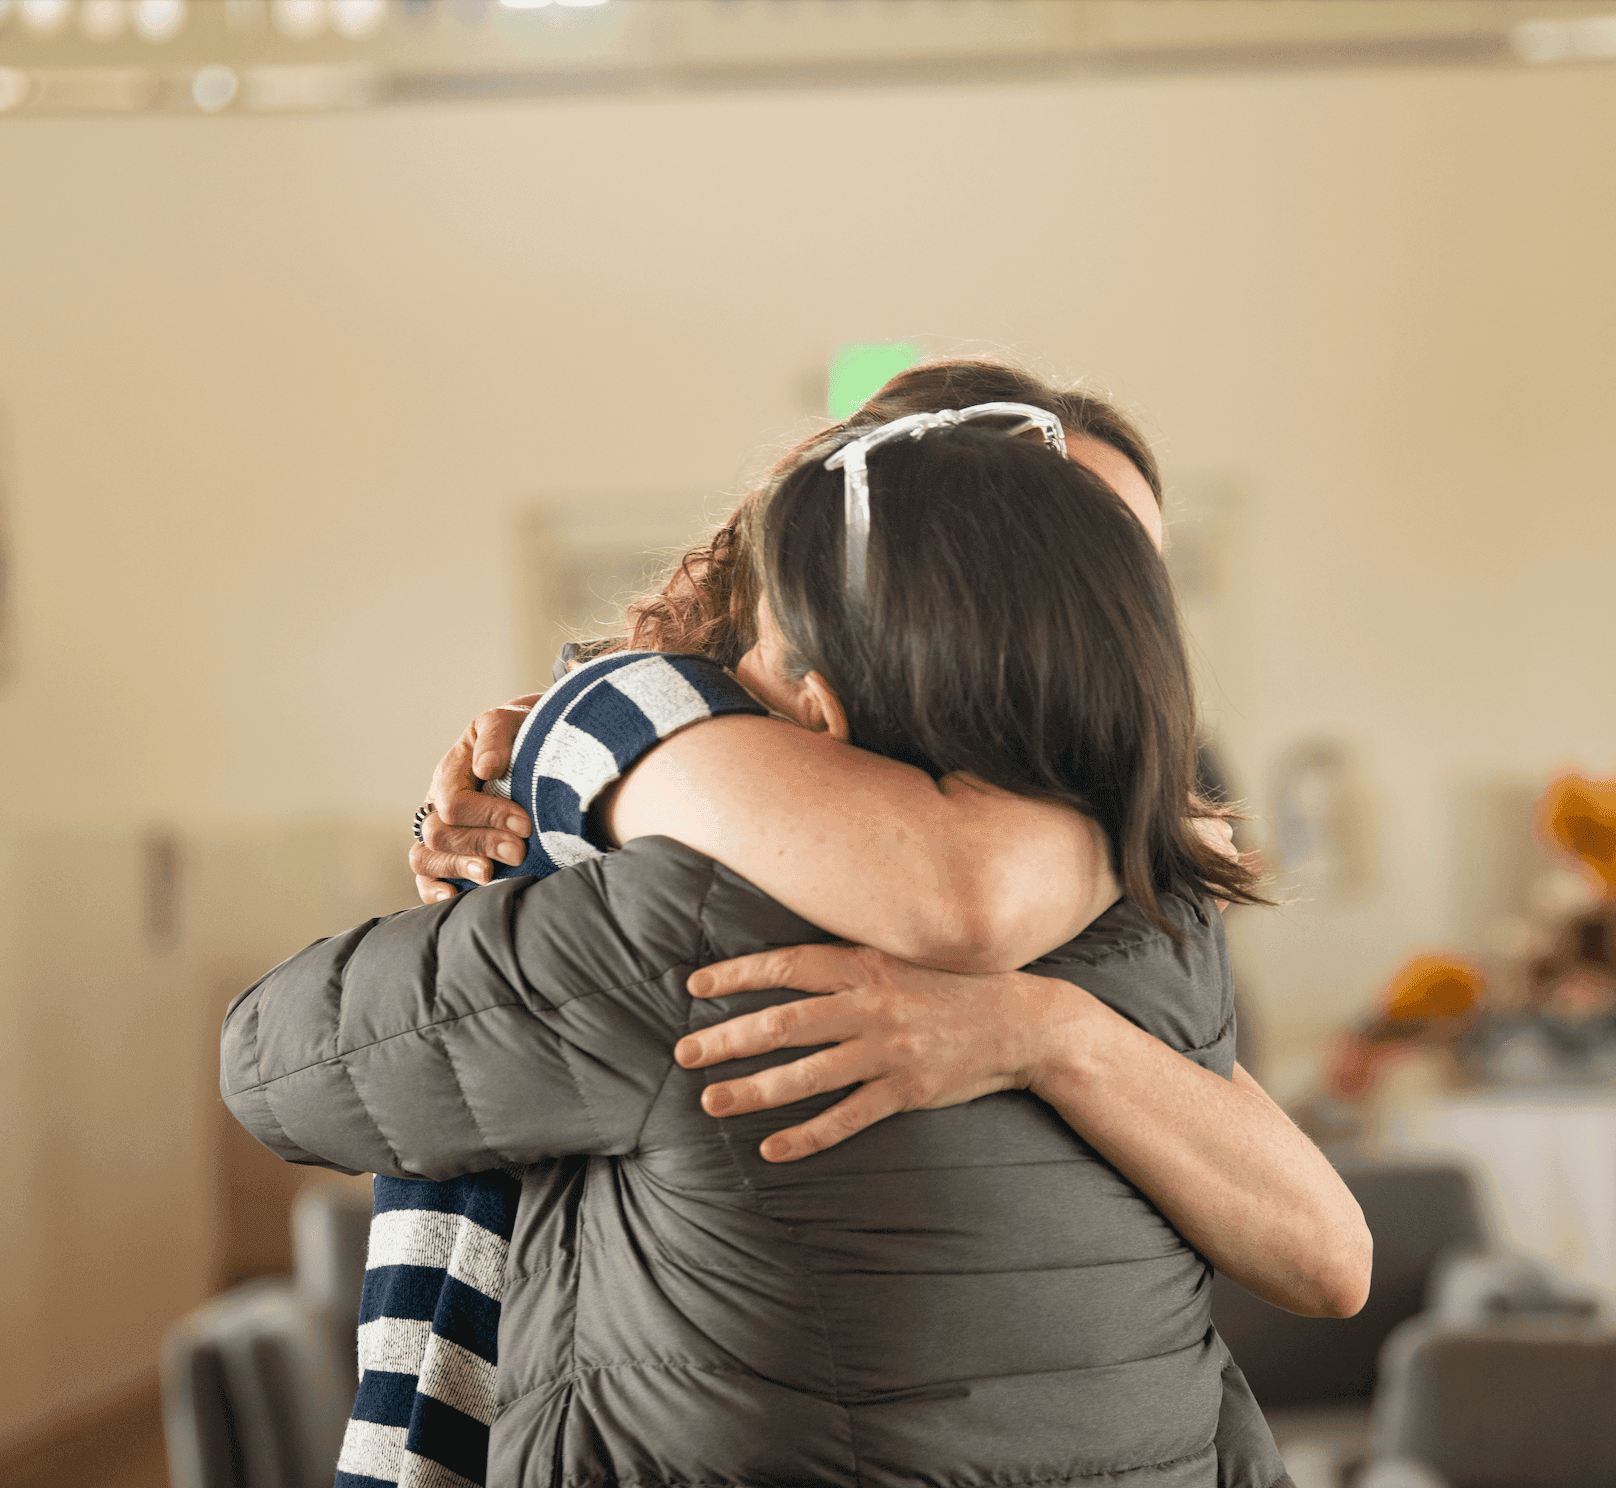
pixel 532 1019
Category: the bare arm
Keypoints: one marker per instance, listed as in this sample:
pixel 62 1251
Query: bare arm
pixel 949 874
pixel 946 873
pixel 1228 1168
pixel 1224 1164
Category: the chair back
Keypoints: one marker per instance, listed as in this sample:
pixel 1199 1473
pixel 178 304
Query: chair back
pixel 257 1383
pixel 1417 1213
pixel 1514 1404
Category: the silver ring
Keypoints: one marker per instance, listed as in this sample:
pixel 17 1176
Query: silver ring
pixel 421 816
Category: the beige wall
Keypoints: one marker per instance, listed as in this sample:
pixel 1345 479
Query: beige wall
pixel 276 389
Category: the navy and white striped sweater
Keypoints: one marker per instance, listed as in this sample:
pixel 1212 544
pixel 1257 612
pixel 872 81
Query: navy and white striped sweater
pixel 434 1273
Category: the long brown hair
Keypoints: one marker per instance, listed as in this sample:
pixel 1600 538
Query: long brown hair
pixel 709 602
pixel 1018 625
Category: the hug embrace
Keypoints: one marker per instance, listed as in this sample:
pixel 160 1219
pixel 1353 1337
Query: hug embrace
pixel 913 734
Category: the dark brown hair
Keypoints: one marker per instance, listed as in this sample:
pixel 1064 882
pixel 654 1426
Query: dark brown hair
pixel 709 602
pixel 1018 625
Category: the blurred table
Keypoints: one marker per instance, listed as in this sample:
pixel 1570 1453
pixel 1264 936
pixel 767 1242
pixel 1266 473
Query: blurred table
pixel 1544 1162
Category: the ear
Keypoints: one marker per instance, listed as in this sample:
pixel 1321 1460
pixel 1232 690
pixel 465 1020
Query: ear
pixel 822 709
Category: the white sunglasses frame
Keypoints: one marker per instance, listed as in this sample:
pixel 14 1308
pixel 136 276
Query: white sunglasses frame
pixel 852 460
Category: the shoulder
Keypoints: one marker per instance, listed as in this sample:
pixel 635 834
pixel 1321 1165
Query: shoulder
pixel 1125 932
pixel 592 726
pixel 625 703
pixel 1179 989
pixel 660 892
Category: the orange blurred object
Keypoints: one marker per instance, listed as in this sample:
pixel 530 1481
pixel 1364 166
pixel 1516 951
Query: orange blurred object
pixel 1427 987
pixel 1353 1063
pixel 1579 814
pixel 1425 1003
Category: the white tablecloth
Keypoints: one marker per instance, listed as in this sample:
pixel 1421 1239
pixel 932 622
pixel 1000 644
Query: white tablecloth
pixel 1544 1162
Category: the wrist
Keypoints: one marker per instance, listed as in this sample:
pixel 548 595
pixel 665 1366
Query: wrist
pixel 1057 1021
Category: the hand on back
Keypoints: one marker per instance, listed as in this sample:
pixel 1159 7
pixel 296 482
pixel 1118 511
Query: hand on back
pixel 910 1038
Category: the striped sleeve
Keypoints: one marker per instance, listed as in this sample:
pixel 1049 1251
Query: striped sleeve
pixel 429 1332
pixel 591 727
pixel 429 1315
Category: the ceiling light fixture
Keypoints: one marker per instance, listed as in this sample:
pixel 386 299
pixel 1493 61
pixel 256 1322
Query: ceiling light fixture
pixel 159 20
pixel 298 20
pixel 357 18
pixel 101 20
pixel 44 17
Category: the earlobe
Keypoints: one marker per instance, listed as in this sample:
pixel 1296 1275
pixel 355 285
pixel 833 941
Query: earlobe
pixel 824 712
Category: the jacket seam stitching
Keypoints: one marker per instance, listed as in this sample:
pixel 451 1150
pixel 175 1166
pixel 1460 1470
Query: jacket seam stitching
pixel 566 1051
pixel 692 961
pixel 651 1105
pixel 574 1373
pixel 353 1082
pixel 465 1100
pixel 1212 1043
pixel 420 1028
pixel 257 1043
pixel 808 1270
pixel 359 1096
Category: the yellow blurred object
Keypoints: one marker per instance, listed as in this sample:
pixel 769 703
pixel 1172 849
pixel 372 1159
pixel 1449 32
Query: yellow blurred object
pixel 1579 814
pixel 1428 987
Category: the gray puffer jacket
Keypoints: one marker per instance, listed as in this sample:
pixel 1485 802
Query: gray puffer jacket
pixel 959 1297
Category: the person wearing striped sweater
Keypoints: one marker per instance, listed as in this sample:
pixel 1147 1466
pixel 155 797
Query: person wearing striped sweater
pixel 434 1272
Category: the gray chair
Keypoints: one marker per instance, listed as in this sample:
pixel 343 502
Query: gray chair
pixel 257 1383
pixel 1314 1376
pixel 1417 1214
pixel 330 1229
pixel 1528 1401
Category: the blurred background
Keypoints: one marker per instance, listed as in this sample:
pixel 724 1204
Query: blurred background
pixel 354 351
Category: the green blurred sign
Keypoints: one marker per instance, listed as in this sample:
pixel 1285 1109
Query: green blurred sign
pixel 859 368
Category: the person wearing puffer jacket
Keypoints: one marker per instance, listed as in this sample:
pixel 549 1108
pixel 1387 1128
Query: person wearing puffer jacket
pixel 963 1296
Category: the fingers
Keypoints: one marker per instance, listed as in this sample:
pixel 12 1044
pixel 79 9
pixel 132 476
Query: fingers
pixel 493 840
pixel 493 734
pixel 452 776
pixel 790 1026
pixel 805 968
pixel 425 863
pixel 433 890
pixel 455 783
pixel 479 809
pixel 1218 834
pixel 468 831
pixel 864 1107
pixel 814 1074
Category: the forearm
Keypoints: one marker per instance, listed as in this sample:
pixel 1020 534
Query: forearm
pixel 1220 1160
pixel 941 874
